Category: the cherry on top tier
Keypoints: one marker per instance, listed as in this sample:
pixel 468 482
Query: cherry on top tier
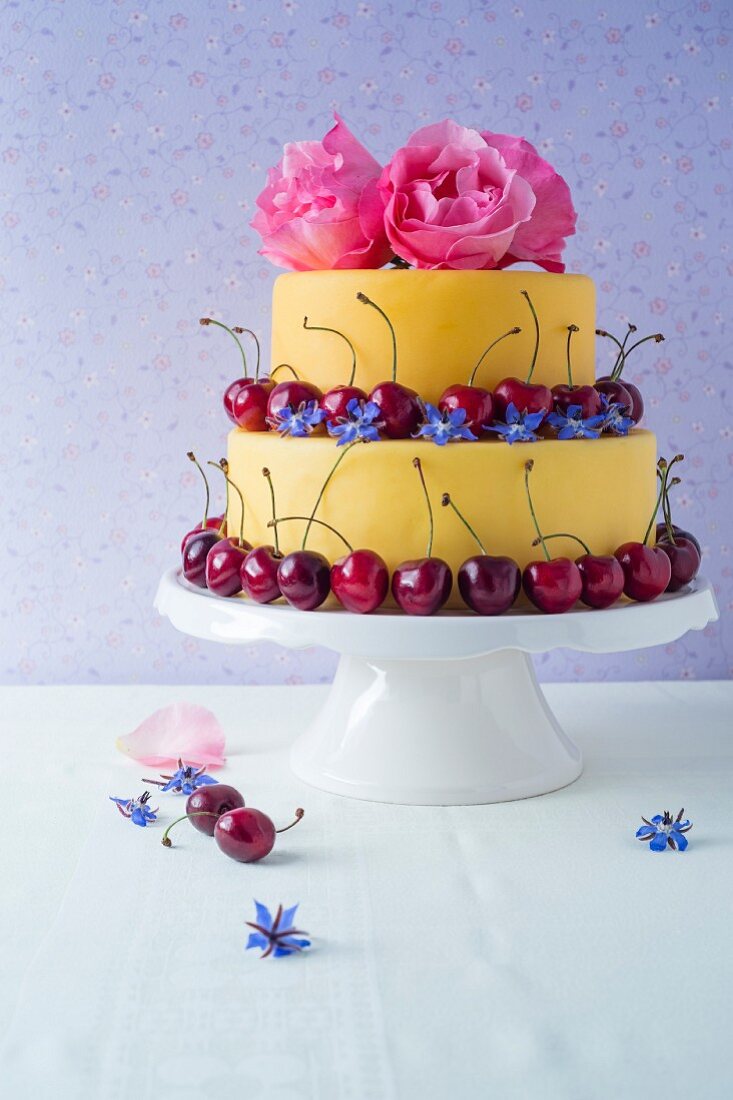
pixel 443 321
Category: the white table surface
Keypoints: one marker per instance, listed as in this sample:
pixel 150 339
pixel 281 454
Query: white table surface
pixel 530 949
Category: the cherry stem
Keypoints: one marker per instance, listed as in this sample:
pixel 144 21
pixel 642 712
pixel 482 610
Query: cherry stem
pixel 571 330
pixel 566 535
pixel 298 817
pixel 528 467
pixel 334 468
pixel 186 817
pixel 239 332
pixel 368 302
pixel 321 523
pixel 662 466
pixel 335 331
pixel 663 473
pixel 619 345
pixel 418 466
pixel 618 369
pixel 192 457
pixel 210 321
pixel 285 366
pixel 536 335
pixel 266 473
pixel 223 466
pixel 447 501
pixel 511 332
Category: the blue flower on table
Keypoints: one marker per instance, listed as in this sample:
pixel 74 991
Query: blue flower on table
pixel 519 427
pixel 571 425
pixel 444 427
pixel 298 422
pixel 615 419
pixel 664 831
pixel 275 935
pixel 136 809
pixel 185 779
pixel 362 423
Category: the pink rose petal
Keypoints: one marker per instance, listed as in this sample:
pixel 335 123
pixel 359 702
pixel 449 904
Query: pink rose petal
pixel 182 730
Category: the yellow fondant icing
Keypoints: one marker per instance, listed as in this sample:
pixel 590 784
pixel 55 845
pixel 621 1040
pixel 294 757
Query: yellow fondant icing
pixel 601 489
pixel 443 320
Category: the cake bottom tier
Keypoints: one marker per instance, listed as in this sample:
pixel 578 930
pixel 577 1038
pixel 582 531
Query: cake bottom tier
pixel 602 490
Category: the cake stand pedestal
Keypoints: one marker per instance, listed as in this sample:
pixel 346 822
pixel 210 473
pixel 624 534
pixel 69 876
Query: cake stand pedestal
pixel 444 710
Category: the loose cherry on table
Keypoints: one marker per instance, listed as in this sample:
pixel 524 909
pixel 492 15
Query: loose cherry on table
pixel 553 585
pixel 211 802
pixel 421 586
pixel 488 585
pixel 400 407
pixel 259 568
pixel 587 397
pixel 683 550
pixel 224 559
pixel 242 833
pixel 476 401
pixel 647 569
pixel 208 522
pixel 245 399
pixel 334 401
pixel 601 575
pixel 526 396
pixel 636 410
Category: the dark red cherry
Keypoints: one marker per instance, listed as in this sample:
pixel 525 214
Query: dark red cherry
pixel 489 585
pixel 634 393
pixel 477 403
pixel 258 574
pixel 304 579
pixel 602 578
pixel 422 586
pixel 244 834
pixel 587 397
pixel 400 408
pixel 526 396
pixel 360 581
pixel 223 565
pixel 217 798
pixel 291 393
pixel 334 401
pixel 684 560
pixel 616 393
pixel 249 407
pixel 553 586
pixel 662 535
pixel 195 554
pixel 212 524
pixel 230 394
pixel 647 570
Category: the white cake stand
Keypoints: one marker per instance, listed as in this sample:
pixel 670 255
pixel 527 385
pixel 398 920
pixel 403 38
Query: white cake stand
pixel 443 710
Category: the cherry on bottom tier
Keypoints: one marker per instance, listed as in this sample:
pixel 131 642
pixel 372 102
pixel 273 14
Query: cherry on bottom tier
pixel 601 490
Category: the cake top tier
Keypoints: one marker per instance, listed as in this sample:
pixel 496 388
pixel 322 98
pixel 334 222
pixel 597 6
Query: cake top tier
pixel 443 323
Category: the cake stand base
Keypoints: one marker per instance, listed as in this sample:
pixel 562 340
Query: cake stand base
pixel 443 710
pixel 448 732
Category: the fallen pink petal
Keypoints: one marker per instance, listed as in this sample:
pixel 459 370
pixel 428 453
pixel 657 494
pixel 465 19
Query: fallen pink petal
pixel 180 731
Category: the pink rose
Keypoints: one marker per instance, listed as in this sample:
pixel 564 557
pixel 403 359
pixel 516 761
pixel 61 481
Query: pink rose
pixel 321 209
pixel 540 240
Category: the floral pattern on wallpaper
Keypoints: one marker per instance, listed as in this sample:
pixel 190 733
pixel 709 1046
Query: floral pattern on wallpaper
pixel 135 136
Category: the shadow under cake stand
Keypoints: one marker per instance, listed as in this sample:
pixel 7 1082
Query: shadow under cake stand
pixel 443 710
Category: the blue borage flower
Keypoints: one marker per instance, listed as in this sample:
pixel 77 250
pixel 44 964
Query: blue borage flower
pixel 136 809
pixel 519 427
pixel 275 935
pixel 298 422
pixel 571 424
pixel 362 423
pixel 185 779
pixel 614 418
pixel 665 832
pixel 443 427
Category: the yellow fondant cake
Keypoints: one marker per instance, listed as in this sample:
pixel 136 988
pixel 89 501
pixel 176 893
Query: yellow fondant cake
pixel 600 489
pixel 443 322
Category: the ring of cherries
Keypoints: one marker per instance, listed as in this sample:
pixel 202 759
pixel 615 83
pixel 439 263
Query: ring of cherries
pixel 258 404
pixel 489 585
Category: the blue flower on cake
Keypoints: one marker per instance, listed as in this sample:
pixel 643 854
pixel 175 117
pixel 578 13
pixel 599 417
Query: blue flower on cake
pixel 275 935
pixel 571 424
pixel 519 427
pixel 136 809
pixel 664 831
pixel 298 422
pixel 614 418
pixel 444 427
pixel 362 423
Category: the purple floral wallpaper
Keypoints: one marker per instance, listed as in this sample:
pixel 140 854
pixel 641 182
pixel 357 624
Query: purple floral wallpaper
pixel 134 138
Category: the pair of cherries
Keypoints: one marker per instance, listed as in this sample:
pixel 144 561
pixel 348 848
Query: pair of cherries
pixel 240 831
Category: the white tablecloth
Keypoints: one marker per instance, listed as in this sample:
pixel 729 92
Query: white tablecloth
pixel 529 949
